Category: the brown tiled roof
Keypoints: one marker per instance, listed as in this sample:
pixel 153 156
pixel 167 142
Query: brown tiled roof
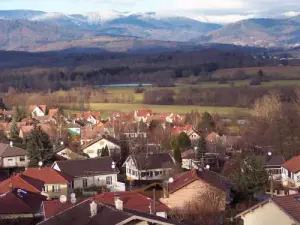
pixel 131 200
pixel 21 181
pixel 211 137
pixel 47 175
pixel 20 202
pixel 52 112
pixel 7 151
pixel 80 215
pixel 154 161
pixel 86 115
pixel 80 167
pixel 208 177
pixel 293 164
pixel 178 130
pixel 26 130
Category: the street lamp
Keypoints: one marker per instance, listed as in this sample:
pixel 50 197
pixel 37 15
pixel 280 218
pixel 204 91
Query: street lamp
pixel 271 177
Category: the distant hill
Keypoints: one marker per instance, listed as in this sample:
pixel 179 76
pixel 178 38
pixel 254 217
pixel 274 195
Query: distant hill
pixel 257 32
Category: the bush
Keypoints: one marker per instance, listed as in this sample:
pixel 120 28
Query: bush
pixel 255 81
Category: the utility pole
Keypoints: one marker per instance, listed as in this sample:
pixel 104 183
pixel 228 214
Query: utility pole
pixel 81 98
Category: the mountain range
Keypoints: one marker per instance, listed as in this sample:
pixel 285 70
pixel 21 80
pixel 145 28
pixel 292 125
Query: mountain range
pixel 30 30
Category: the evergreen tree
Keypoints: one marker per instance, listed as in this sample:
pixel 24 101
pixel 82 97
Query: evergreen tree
pixel 183 140
pixel 19 114
pixel 105 151
pixel 124 151
pixel 201 150
pixel 250 177
pixel 39 147
pixel 14 131
pixel 177 156
pixel 207 123
pixel 260 73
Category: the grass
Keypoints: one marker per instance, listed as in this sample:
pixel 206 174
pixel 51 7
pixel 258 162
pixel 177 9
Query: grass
pixel 125 92
pixel 181 109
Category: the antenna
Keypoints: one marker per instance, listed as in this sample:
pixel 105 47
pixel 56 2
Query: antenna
pixel 63 199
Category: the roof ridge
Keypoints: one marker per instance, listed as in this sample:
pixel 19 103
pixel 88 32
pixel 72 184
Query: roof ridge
pixel 21 174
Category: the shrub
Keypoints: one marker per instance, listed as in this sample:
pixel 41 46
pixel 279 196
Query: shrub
pixel 255 81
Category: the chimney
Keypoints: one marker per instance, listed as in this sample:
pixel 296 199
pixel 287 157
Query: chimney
pixel 74 122
pixel 11 144
pixel 119 204
pixel 93 208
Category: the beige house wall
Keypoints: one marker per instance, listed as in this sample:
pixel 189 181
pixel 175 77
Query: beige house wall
pixel 64 190
pixel 268 214
pixel 179 199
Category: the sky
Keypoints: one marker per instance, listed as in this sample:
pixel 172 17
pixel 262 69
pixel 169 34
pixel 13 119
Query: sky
pixel 220 11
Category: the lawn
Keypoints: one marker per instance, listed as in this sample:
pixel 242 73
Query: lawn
pixel 165 108
pixel 126 92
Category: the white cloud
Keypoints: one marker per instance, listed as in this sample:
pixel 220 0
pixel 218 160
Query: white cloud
pixel 224 19
pixel 291 14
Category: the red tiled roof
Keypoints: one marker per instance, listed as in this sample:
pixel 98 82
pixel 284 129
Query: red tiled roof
pixel 42 107
pixel 47 175
pixel 178 130
pixel 53 207
pixel 52 112
pixel 86 115
pixel 293 165
pixel 211 137
pixel 208 177
pixel 20 181
pixel 131 200
pixel 143 112
pixel 16 202
pixel 26 130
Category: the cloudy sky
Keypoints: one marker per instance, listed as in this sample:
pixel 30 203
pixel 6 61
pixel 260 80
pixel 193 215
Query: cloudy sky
pixel 221 11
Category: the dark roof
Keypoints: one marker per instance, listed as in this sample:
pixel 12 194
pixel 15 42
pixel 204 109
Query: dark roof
pixel 276 160
pixel 19 201
pixel 80 167
pixel 293 165
pixel 289 204
pixel 131 200
pixel 108 215
pixel 153 161
pixel 106 137
pixel 7 151
pixel 207 176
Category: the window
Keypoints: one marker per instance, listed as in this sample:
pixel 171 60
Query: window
pixel 84 183
pixel 156 173
pixel 56 188
pixel 109 180
pixel 22 158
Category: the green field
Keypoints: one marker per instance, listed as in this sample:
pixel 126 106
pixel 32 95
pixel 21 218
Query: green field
pixel 165 108
pixel 125 92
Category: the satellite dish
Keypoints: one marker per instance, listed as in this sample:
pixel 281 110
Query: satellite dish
pixel 73 198
pixel 207 167
pixel 62 198
pixel 171 180
pixel 73 195
pixel 40 164
pixel 61 143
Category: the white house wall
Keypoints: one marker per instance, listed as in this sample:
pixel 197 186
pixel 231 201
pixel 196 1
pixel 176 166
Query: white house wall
pixel 14 162
pixel 99 180
pixel 92 150
pixel 37 112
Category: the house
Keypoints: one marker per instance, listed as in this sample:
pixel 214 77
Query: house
pixel 91 117
pixel 22 206
pixel 290 172
pixel 187 186
pixel 24 131
pixel 89 133
pixel 194 136
pixel 8 114
pixel 91 172
pixel 37 110
pixel 47 128
pixel 12 156
pixel 272 164
pixel 133 201
pixel 212 137
pixel 91 212
pixel 94 148
pixel 44 119
pixel 66 153
pixel 152 166
pixel 275 211
pixel 53 113
pixel 46 181
pixel 177 130
pixel 142 114
pixel 190 161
